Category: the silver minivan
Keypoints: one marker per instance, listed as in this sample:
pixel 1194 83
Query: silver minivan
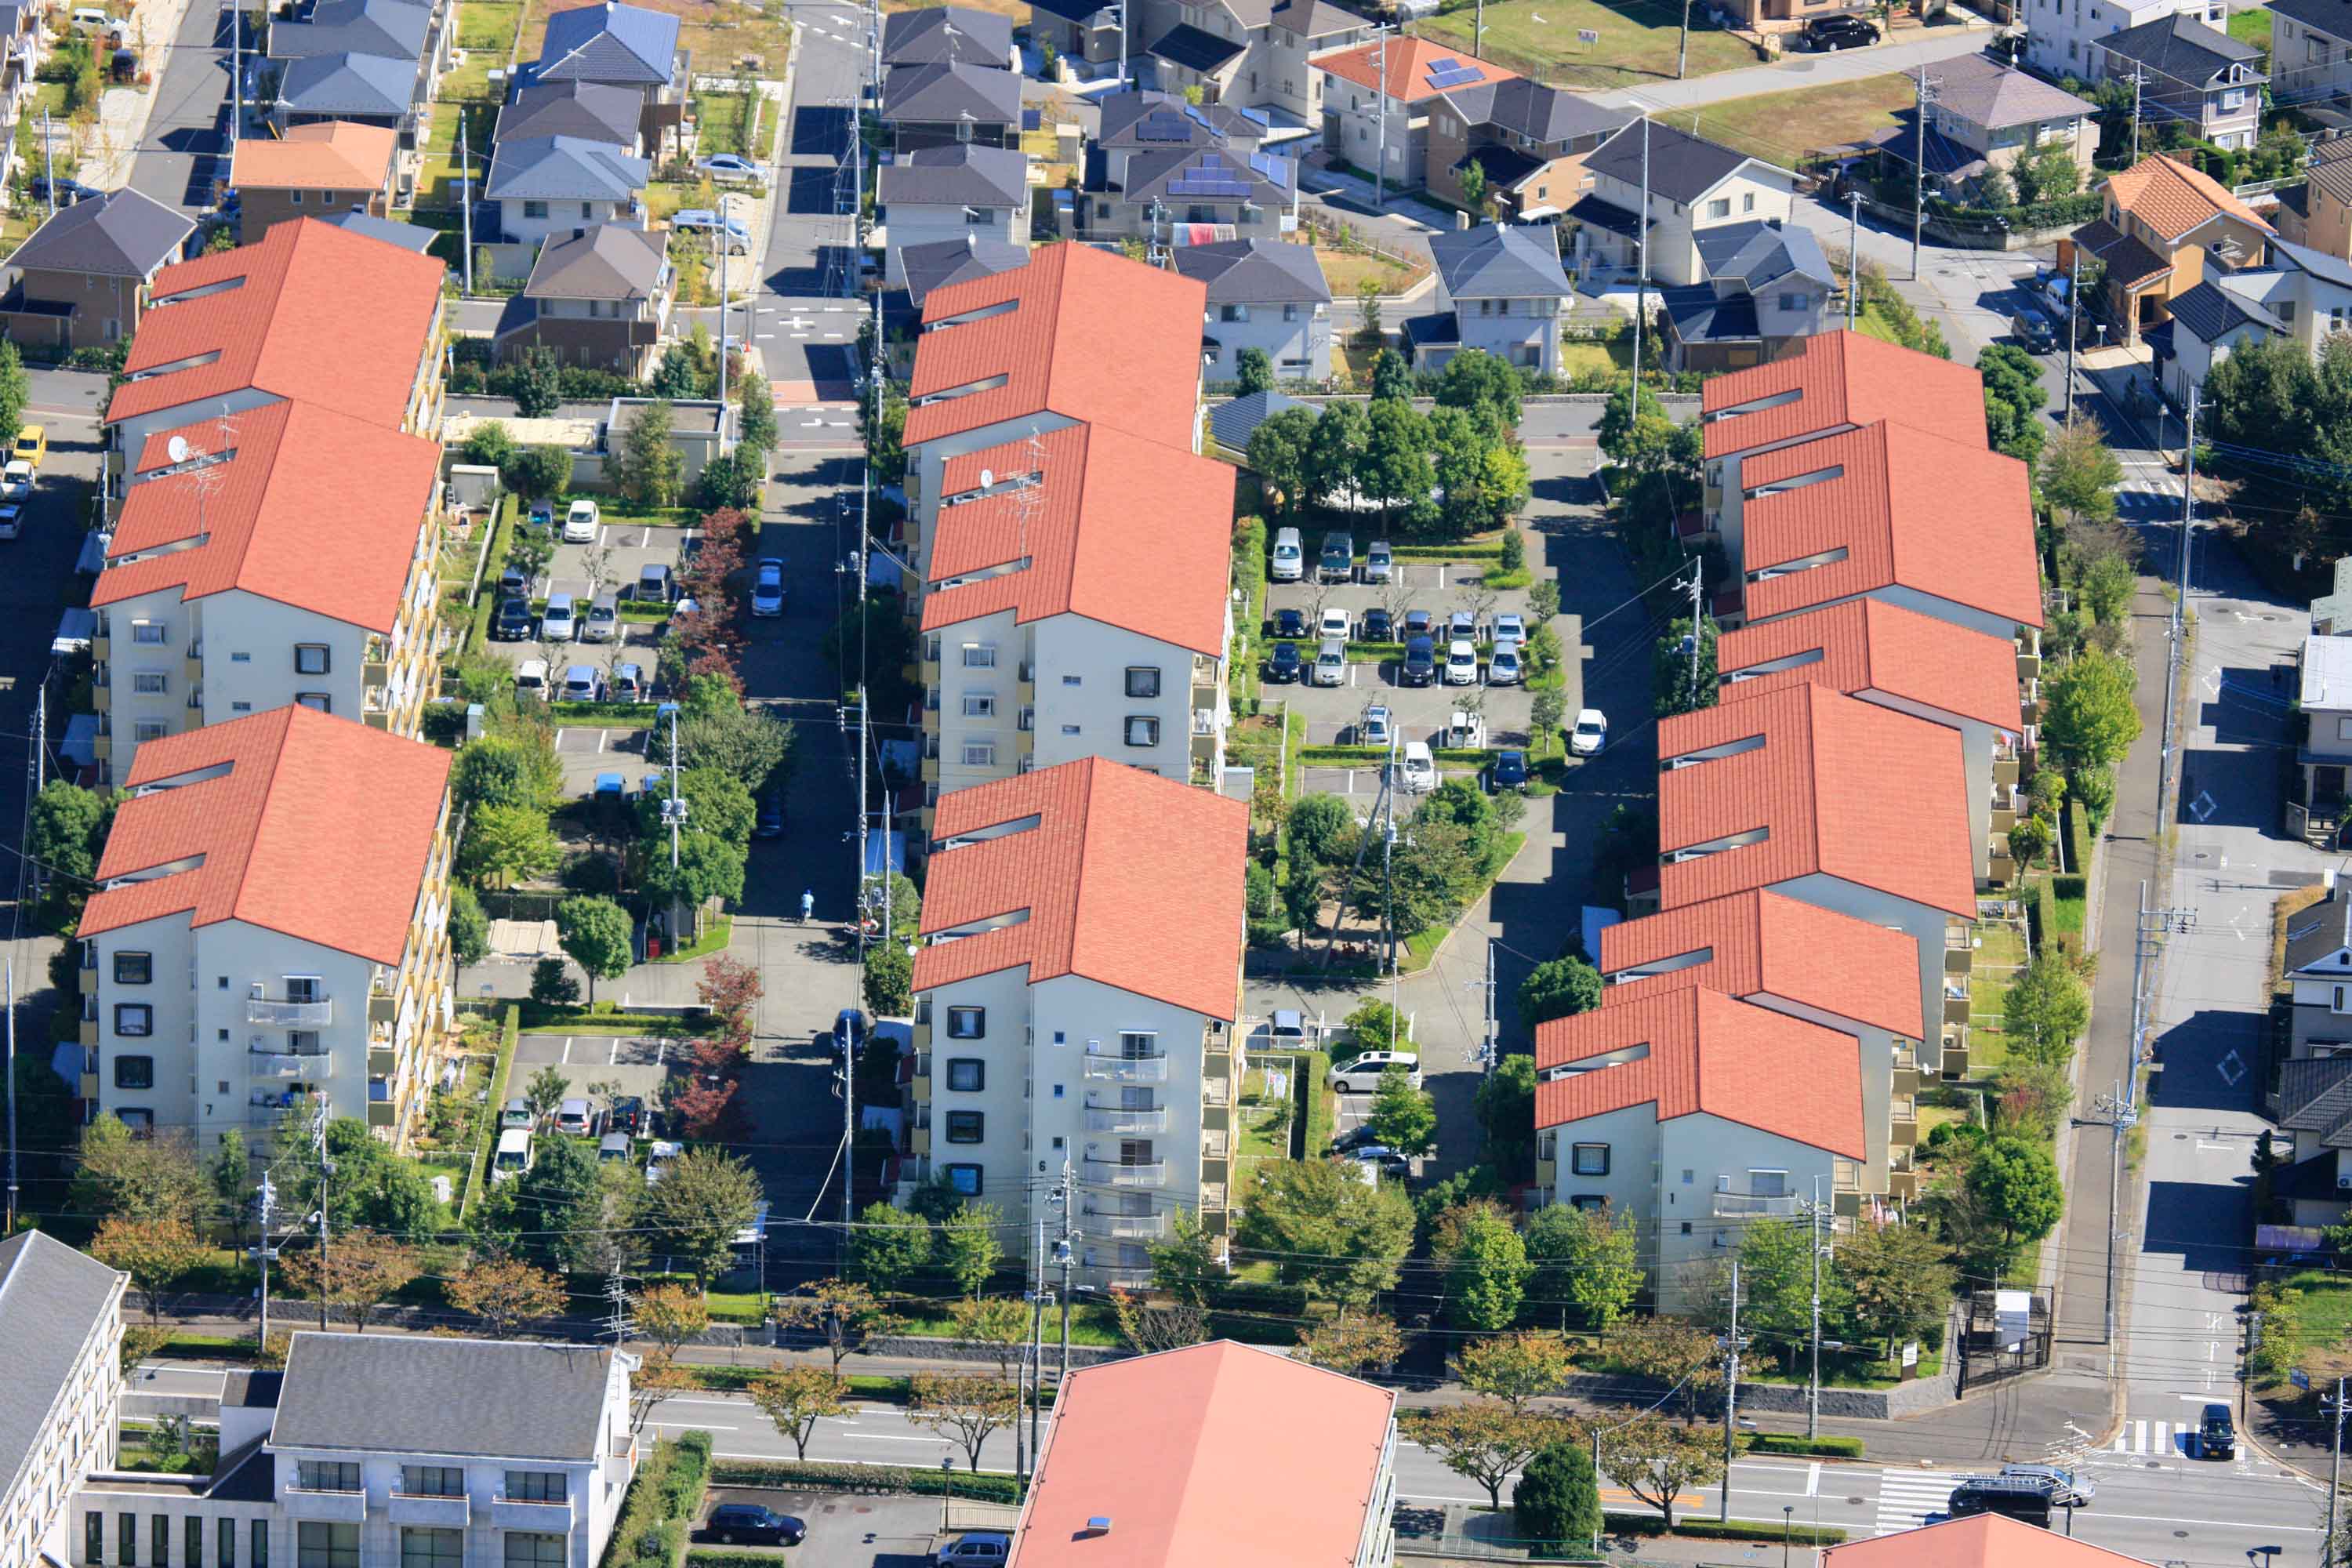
pixel 604 622
pixel 514 1154
pixel 1289 557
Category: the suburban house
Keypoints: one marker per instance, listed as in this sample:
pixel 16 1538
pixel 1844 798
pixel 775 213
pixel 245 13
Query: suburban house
pixel 585 111
pixel 1694 1112
pixel 1982 1541
pixel 2311 50
pixel 924 268
pixel 1262 294
pixel 2315 810
pixel 395 29
pixel 231 332
pixel 1074 1000
pixel 1267 1462
pixel 1767 291
pixel 383 49
pixel 63 1312
pixel 1401 81
pixel 1162 166
pixel 273 926
pixel 2302 294
pixel 1694 184
pixel 1988 116
pixel 2311 1095
pixel 314 170
pixel 1255 53
pixel 1527 139
pixel 2063 36
pixel 360 90
pixel 964 190
pixel 377 1448
pixel 415 238
pixel 1081 31
pixel 2193 75
pixel 614 45
pixel 82 278
pixel 940 105
pixel 219 533
pixel 1915 664
pixel 2331 613
pixel 1811 963
pixel 1760 794
pixel 1943 527
pixel 1016 354
pixel 1827 384
pixel 548 185
pixel 598 296
pixel 948 35
pixel 2165 227
pixel 1049 635
pixel 1500 288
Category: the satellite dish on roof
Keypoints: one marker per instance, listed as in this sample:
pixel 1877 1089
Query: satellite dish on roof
pixel 178 448
pixel 986 478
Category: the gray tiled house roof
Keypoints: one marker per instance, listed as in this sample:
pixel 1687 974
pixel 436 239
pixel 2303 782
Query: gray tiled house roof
pixel 491 1398
pixel 374 85
pixel 626 45
pixel 51 1299
pixel 564 168
pixel 120 234
pixel 1500 261
pixel 594 110
pixel 944 33
pixel 1682 167
pixel 951 92
pixel 973 176
pixel 609 261
pixel 395 29
pixel 1255 273
pixel 946 261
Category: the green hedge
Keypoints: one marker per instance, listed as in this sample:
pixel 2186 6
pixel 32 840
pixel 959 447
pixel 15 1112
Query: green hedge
pixel 793 1474
pixel 1815 1447
pixel 1717 1530
pixel 1324 755
pixel 663 1504
pixel 611 715
pixel 1467 550
pixel 726 1557
pixel 478 628
pixel 510 1033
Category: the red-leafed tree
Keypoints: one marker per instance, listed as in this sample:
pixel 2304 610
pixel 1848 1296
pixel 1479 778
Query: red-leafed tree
pixel 705 1110
pixel 731 989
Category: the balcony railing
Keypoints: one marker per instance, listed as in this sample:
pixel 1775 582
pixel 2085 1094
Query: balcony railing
pixel 1125 1226
pixel 1730 1205
pixel 290 1014
pixel 1118 1119
pixel 431 1509
pixel 1117 1174
pixel 1128 1069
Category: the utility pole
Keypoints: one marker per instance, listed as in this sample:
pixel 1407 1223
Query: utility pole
pixel 1037 1344
pixel 1682 47
pixel 2179 596
pixel 2138 79
pixel 2074 329
pixel 1381 107
pixel 1919 169
pixel 9 1067
pixel 49 175
pixel 325 1169
pixel 1069 1207
pixel 1641 265
pixel 268 1199
pixel 236 69
pixel 466 196
pixel 1696 587
pixel 1730 1391
pixel 1478 29
pixel 2122 1115
pixel 1814 1215
pixel 2334 1474
pixel 1852 258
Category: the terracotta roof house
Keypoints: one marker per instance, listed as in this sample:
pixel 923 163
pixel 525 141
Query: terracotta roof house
pixel 1250 1459
pixel 2164 227
pixel 1379 99
pixel 1090 889
pixel 332 166
pixel 1982 1541
pixel 84 277
pixel 1692 1112
pixel 1791 792
pixel 1809 963
pixel 598 296
pixel 287 843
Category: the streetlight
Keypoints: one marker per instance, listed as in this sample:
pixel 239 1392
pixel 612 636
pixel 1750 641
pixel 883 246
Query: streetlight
pixel 1788 1515
pixel 947 1487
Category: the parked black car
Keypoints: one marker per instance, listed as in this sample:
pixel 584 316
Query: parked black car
pixel 2033 331
pixel 628 1115
pixel 1288 623
pixel 732 1522
pixel 1510 770
pixel 1827 35
pixel 69 190
pixel 2217 1434
pixel 1379 626
pixel 1282 664
pixel 1420 667
pixel 511 622
pixel 771 823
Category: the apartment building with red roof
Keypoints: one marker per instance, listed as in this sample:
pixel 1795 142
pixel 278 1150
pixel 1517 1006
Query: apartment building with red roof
pixel 1076 993
pixel 1218 1453
pixel 284 555
pixel 271 923
pixel 1914 664
pixel 1829 800
pixel 1835 382
pixel 1810 962
pixel 1092 567
pixel 1979 1540
pixel 1695 1112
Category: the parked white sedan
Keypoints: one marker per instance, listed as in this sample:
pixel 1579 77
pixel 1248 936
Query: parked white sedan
pixel 580 522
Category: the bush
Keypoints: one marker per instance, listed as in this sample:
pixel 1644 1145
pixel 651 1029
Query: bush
pixel 662 1504
pixel 864 1479
pixel 1816 1447
pixel 1717 1530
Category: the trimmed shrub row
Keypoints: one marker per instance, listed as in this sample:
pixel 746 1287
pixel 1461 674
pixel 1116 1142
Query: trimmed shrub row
pixel 791 1474
pixel 1811 1447
pixel 731 1557
pixel 662 1505
pixel 1717 1530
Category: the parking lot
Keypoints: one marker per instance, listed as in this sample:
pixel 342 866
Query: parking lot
pixel 637 1065
pixel 627 549
pixel 846 1529
pixel 587 752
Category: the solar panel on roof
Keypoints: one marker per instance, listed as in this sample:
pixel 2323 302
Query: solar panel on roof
pixel 1445 62
pixel 1452 73
pixel 1192 112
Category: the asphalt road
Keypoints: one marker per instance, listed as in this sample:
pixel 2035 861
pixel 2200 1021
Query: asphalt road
pixel 186 147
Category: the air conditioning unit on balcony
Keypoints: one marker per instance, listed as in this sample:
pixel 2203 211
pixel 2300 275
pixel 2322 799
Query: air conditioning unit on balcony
pixel 2344 1183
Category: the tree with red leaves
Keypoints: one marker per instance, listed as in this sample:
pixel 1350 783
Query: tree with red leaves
pixel 731 989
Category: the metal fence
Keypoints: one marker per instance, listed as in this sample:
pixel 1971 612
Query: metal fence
pixel 1994 1345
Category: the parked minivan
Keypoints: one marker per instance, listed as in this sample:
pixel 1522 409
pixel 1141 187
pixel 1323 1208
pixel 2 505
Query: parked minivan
pixel 516 1112
pixel 1418 774
pixel 1289 557
pixel 514 1156
pixel 615 1149
pixel 1363 1075
pixel 575 1116
pixel 530 679
pixel 604 622
pixel 655 583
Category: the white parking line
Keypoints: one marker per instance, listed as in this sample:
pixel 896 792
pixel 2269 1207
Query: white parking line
pixel 565 1057
pixel 612 1057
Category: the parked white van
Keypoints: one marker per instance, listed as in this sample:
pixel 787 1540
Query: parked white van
pixel 1417 774
pixel 1289 557
pixel 514 1156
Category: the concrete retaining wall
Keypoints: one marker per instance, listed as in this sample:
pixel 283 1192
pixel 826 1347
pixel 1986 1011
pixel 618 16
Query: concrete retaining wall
pixel 1787 1399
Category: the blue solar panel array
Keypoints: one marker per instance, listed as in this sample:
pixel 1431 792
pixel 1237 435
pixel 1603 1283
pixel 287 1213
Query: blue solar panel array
pixel 1449 72
pixel 1192 112
pixel 1209 176
pixel 1273 168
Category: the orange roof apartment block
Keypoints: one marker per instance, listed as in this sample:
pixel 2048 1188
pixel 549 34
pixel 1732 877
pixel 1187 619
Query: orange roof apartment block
pixel 1218 1453
pixel 1907 660
pixel 1761 943
pixel 1838 381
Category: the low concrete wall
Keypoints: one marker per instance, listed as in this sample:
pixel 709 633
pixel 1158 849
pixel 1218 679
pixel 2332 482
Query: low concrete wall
pixel 1787 1399
pixel 964 1350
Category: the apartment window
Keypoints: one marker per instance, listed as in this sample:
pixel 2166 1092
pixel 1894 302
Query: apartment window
pixel 1748 202
pixel 317 701
pixel 966 1126
pixel 148 632
pixel 294 197
pixel 147 682
pixel 1074 680
pixel 1143 731
pixel 1589 1202
pixel 2285 309
pixel 261 1543
pixel 93 1537
pixel 1588 1159
pixel 1719 207
pixel 534 1551
pixel 529 209
pixel 146 730
pixel 980 754
pixel 964 1180
pixel 141 1122
pixel 968 1075
pixel 535 1486
pixel 327 1476
pixel 226 1538
pixel 134 968
pixel 126 1539
pixel 980 705
pixel 136 1019
pixel 159 1539
pixel 1142 680
pixel 1290 313
pixel 432 1480
pixel 432 1548
pixel 323 1545
pixel 192 1543
pixel 240 658
pixel 980 655
pixel 1767 1183
pixel 1232 312
pixel 1797 301
pixel 310 658
pixel 134 1072
pixel 966 1023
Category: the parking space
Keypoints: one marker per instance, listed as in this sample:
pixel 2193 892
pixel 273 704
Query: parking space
pixel 587 752
pixel 620 553
pixel 846 1530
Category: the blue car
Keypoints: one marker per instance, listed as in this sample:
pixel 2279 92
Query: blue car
pixel 1510 770
pixel 611 786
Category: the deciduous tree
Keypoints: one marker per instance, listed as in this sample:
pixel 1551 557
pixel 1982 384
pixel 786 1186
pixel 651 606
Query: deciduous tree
pixel 1353 1342
pixel 1487 1266
pixel 2018 1183
pixel 842 1312
pixel 997 1324
pixel 888 1247
pixel 968 1248
pixel 1515 1368
pixel 797 1398
pixel 1658 1461
pixel 357 1271
pixel 964 1405
pixel 1148 1326
pixel 1557 988
pixel 505 1293
pixel 1898 1279
pixel 155 1177
pixel 156 1253
pixel 669 1315
pixel 2089 720
pixel 1403 1117
pixel 649 469
pixel 1324 1229
pixel 595 934
pixel 1585 1259
pixel 1483 1440
pixel 1255 372
pixel 695 1213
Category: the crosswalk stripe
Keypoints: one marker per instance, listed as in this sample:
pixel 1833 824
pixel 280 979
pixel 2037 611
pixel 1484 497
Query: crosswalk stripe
pixel 1905 1498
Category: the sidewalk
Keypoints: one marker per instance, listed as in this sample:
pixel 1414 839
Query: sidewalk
pixel 123 112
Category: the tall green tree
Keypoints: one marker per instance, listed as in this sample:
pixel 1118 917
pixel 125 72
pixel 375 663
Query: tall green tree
pixel 1505 1109
pixel 755 427
pixel 1391 378
pixel 1278 454
pixel 1321 828
pixel 1899 1281
pixel 1403 1117
pixel 1485 387
pixel 968 1248
pixel 1585 1261
pixel 514 767
pixel 649 469
pixel 1254 372
pixel 538 383
pixel 1474 187
pixel 1486 1268
pixel 1558 1500
pixel 1685 684
pixel 2017 1182
pixel 595 934
pixel 2089 720
pixel 2045 1009
pixel 1396 456
pixel 469 927
pixel 2014 397
pixel 2079 472
pixel 694 1213
pixel 1324 1229
pixel 1335 457
pixel 708 867
pixel 1557 988
pixel 888 1247
pixel 1776 1284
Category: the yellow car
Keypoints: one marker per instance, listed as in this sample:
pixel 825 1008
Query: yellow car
pixel 32 444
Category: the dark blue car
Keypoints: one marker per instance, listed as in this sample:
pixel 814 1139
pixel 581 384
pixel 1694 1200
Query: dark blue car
pixel 1282 664
pixel 1510 770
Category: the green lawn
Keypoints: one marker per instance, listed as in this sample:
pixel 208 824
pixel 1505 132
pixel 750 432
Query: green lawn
pixel 2001 952
pixel 1637 41
pixel 2327 1315
pixel 1578 357
pixel 488 25
pixel 721 117
pixel 1785 128
pixel 2252 27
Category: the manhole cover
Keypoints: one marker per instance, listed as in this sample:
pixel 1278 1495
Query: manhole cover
pixel 2154 1464
pixel 1853 1503
pixel 2177 1534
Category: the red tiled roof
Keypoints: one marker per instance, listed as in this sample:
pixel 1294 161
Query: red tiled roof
pixel 320 829
pixel 1409 65
pixel 333 154
pixel 1761 942
pixel 1244 1459
pixel 1866 644
pixel 313 312
pixel 1120 529
pixel 2172 198
pixel 1981 1541
pixel 1842 378
pixel 1127 878
pixel 1844 788
pixel 312 509
pixel 1706 1052
pixel 1092 337
pixel 1942 518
